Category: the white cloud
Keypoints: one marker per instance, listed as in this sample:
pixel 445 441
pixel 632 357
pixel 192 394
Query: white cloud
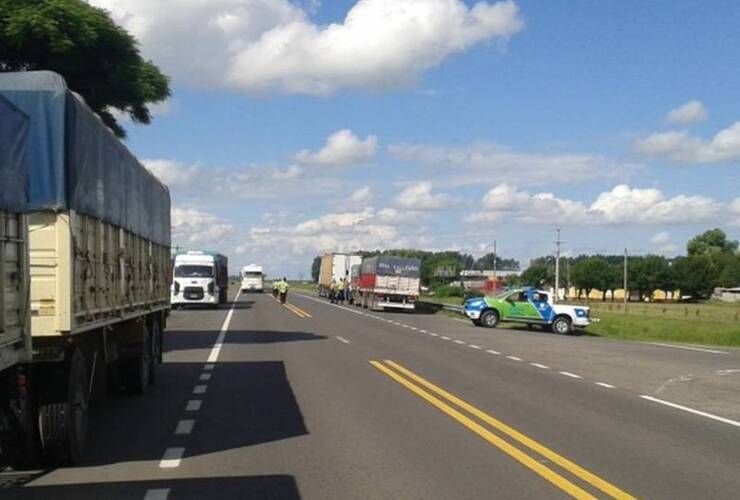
pixel 194 227
pixel 622 205
pixel 156 109
pixel 419 197
pixel 482 162
pixel 361 196
pixel 660 238
pixel 272 45
pixel 680 147
pixel 687 114
pixel 173 173
pixel 735 212
pixel 342 148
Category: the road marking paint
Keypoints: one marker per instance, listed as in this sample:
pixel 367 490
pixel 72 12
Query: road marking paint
pixel 216 349
pixel 444 337
pixel 569 374
pixel 724 373
pixel 172 458
pixel 688 348
pixel 205 376
pixel 414 328
pixel 473 346
pixel 157 494
pixel 604 384
pixel 342 339
pixel 297 310
pixel 434 334
pixel 491 351
pixel 540 365
pixel 423 331
pixel 513 358
pixel 184 427
pixel 200 389
pixel 511 450
pixel 209 366
pixel 193 405
pixel 459 342
pixel 691 410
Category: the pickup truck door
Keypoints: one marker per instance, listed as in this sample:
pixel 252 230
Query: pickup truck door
pixel 520 308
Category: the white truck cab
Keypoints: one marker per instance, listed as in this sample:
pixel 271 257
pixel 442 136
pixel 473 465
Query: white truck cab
pixel 198 279
pixel 252 278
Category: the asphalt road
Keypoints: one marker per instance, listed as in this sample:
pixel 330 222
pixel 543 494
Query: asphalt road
pixel 318 401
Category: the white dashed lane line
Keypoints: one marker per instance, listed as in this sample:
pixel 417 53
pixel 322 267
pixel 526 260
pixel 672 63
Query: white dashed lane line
pixel 157 494
pixel 473 346
pixel 200 389
pixel 172 458
pixel 444 337
pixel 514 358
pixel 540 365
pixel 205 377
pixel 342 339
pixel 491 351
pixel 184 427
pixel 193 405
pixel 569 374
pixel 459 342
pixel 604 384
pixel 209 366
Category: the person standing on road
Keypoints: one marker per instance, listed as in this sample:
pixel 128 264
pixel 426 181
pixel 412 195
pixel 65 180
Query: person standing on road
pixel 283 290
pixel 341 287
pixel 333 291
pixel 275 288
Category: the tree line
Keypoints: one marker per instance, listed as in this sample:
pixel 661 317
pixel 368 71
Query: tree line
pixel 711 260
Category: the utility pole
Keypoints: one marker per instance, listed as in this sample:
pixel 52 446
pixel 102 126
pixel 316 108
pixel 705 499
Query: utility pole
pixel 557 266
pixel 625 281
pixel 494 263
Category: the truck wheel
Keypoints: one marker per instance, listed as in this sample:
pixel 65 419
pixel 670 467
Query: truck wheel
pixel 562 325
pixel 17 433
pixel 489 319
pixel 156 351
pixel 136 370
pixel 63 425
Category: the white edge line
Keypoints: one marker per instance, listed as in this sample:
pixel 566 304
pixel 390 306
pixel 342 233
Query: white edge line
pixel 172 458
pixel 569 374
pixel 688 348
pixel 691 410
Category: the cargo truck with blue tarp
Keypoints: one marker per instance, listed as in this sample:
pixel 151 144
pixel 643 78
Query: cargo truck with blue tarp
pixel 98 268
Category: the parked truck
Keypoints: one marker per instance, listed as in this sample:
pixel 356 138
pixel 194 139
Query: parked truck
pixel 252 277
pixel 388 282
pixel 200 278
pixel 98 261
pixel 335 266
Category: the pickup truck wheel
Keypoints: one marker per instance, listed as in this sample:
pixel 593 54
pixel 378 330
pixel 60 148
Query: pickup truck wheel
pixel 562 325
pixel 63 425
pixel 489 319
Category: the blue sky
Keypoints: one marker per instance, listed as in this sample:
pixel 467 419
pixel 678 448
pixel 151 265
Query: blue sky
pixel 304 127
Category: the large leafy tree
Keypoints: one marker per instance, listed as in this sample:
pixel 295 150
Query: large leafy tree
pixel 695 275
pixel 486 262
pixel 98 59
pixel 711 242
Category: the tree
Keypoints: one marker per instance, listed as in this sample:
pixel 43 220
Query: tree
pixel 591 273
pixel 536 275
pixel 711 242
pixel 486 263
pixel 730 275
pixel 315 268
pixel 98 59
pixel 694 276
pixel 649 273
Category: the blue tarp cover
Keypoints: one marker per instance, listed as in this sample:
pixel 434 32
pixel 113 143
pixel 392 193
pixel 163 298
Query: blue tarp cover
pixel 76 163
pixel 13 135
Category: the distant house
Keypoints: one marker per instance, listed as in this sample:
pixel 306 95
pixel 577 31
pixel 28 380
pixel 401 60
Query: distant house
pixel 727 294
pixel 485 280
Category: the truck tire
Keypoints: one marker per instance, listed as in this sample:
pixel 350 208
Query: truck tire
pixel 489 319
pixel 562 325
pixel 136 370
pixel 18 432
pixel 63 424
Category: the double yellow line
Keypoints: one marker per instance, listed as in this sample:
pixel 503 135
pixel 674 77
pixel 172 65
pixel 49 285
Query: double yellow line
pixel 439 398
pixel 295 310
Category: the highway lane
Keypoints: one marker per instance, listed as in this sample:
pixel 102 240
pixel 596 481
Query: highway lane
pixel 293 408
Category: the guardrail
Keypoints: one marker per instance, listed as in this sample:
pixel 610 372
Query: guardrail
pixel 436 306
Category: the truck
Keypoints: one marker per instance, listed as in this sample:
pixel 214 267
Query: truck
pixel 335 266
pixel 529 306
pixel 388 282
pixel 87 259
pixel 200 278
pixel 252 278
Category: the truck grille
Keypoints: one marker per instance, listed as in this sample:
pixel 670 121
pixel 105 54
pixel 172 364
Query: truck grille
pixel 193 292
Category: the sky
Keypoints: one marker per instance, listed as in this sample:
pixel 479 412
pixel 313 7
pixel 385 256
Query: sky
pixel 304 127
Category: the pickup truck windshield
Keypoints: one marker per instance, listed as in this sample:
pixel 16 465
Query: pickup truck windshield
pixel 191 271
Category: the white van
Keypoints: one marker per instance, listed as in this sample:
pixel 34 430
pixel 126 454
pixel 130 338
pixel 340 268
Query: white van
pixel 252 278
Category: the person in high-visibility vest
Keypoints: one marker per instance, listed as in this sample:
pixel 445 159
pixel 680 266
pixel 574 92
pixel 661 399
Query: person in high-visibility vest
pixel 333 291
pixel 275 288
pixel 341 287
pixel 283 290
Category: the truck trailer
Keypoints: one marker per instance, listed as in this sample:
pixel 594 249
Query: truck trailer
pixel 98 251
pixel 252 278
pixel 388 282
pixel 335 266
pixel 200 278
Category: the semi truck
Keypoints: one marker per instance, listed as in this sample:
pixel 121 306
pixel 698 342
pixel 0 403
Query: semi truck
pixel 335 266
pixel 85 271
pixel 388 282
pixel 252 278
pixel 200 278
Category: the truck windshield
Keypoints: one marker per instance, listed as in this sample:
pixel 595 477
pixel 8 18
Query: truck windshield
pixel 252 275
pixel 190 271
